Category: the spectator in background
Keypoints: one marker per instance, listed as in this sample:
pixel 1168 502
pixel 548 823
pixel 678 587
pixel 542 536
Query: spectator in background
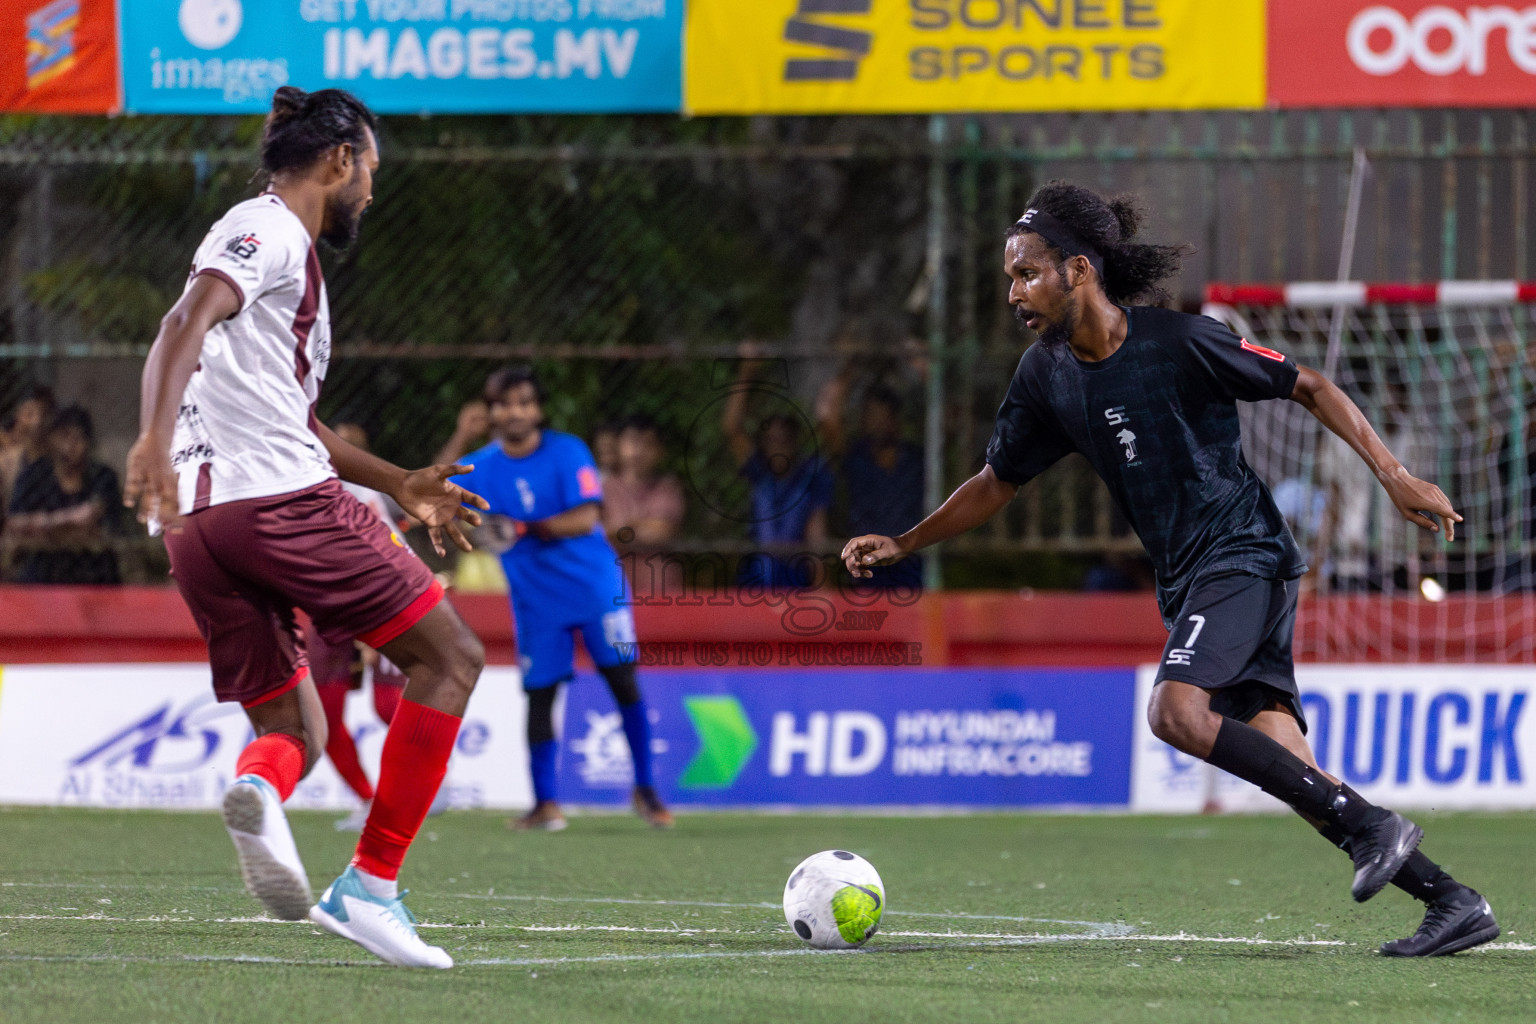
pixel 471 431
pixel 605 448
pixel 474 572
pixel 883 472
pixel 638 497
pixel 23 439
pixel 790 491
pixel 64 509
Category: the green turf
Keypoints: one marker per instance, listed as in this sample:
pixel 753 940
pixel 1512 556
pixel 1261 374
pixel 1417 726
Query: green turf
pixel 536 922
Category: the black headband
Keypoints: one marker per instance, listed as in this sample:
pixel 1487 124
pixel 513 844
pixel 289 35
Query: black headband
pixel 1061 236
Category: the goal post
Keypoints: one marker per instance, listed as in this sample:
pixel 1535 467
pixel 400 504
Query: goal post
pixel 1446 373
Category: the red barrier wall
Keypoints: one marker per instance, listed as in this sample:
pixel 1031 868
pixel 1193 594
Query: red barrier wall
pixel 88 624
pixel 92 624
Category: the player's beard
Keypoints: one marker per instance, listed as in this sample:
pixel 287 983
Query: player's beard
pixel 344 221
pixel 1055 332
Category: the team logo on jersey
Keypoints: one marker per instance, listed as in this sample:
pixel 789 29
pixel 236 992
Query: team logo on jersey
pixel 525 493
pixel 1116 415
pixel 1260 350
pixel 242 247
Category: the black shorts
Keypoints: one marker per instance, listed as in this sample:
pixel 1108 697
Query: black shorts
pixel 1233 637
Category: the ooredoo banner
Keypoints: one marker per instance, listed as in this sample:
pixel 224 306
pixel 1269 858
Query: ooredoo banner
pixel 863 737
pixel 894 56
pixel 59 56
pixel 1401 53
pixel 405 56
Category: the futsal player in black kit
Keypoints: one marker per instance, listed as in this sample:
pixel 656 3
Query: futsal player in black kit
pixel 1149 397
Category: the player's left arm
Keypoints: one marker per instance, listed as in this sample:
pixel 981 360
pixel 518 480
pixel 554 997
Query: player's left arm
pixel 425 494
pixel 1334 410
pixel 573 522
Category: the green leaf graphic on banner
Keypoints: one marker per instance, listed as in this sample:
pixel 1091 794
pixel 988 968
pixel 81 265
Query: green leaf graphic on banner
pixel 726 742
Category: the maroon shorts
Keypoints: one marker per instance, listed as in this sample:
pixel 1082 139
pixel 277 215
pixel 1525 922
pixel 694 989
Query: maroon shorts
pixel 243 566
pixel 332 663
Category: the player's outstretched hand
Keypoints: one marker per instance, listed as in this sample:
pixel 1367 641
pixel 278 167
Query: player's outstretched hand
pixel 149 484
pixel 869 550
pixel 440 505
pixel 1414 497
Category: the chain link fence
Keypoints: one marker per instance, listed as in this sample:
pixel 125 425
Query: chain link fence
pixel 635 261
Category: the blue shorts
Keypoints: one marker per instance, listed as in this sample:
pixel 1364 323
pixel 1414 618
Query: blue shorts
pixel 545 652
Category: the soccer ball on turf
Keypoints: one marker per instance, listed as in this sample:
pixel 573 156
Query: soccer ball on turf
pixel 834 900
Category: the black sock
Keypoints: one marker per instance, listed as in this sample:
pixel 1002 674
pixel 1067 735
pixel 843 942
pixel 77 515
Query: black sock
pixel 1423 879
pixel 1253 757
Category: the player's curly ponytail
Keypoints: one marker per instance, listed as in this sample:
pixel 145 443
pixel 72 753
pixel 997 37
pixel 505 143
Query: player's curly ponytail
pixel 304 125
pixel 1132 270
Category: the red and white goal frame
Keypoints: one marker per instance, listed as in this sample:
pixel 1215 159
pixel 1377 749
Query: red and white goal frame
pixel 1358 294
pixel 1446 372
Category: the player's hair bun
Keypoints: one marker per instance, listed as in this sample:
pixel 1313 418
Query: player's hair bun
pixel 287 102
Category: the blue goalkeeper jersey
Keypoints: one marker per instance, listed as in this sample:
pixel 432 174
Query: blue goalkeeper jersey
pixel 557 583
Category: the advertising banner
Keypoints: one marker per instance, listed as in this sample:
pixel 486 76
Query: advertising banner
pixel 405 56
pixel 863 737
pixel 1426 736
pixel 1401 53
pixel 59 56
pixel 909 56
pixel 153 736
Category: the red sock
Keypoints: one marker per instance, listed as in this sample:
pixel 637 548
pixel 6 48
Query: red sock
pixel 338 744
pixel 416 751
pixel 276 757
pixel 386 698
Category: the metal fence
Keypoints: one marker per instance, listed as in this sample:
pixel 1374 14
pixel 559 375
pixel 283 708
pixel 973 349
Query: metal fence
pixel 630 258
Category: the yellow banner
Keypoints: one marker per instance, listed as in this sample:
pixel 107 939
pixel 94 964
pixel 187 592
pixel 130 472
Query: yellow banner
pixel 917 56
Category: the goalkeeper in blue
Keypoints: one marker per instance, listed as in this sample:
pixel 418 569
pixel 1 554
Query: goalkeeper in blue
pixel 545 494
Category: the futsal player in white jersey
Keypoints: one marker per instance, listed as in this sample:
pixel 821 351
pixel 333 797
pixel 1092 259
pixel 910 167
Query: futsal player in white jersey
pixel 233 462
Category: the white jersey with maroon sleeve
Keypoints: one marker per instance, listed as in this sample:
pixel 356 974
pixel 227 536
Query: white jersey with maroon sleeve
pixel 246 426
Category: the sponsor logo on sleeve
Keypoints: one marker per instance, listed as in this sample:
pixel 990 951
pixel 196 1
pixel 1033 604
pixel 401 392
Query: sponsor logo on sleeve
pixel 1260 350
pixel 588 483
pixel 242 247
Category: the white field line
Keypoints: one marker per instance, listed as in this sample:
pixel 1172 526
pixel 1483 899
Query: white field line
pixel 663 957
pixel 1101 927
pixel 1106 927
pixel 533 928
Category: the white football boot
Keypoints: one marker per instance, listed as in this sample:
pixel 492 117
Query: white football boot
pixel 383 927
pixel 269 862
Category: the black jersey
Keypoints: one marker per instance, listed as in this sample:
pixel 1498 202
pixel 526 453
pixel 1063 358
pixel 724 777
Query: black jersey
pixel 1158 421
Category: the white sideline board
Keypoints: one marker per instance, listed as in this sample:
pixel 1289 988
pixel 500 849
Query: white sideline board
pixel 144 735
pixel 147 735
pixel 1436 737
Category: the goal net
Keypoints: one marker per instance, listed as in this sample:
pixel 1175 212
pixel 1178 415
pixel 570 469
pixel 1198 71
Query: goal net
pixel 1445 375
